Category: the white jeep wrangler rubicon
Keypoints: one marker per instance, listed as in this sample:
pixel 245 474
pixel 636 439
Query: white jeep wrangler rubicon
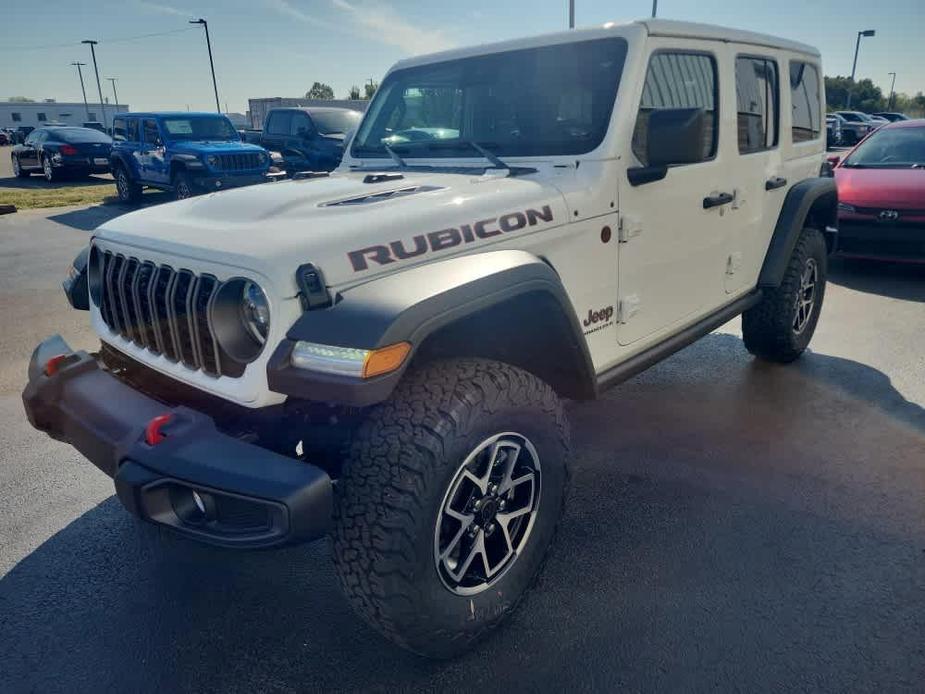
pixel 381 353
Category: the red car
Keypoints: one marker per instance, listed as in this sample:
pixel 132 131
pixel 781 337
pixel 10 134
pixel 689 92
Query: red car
pixel 881 195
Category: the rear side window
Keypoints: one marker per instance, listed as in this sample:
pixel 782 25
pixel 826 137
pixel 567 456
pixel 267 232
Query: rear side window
pixel 676 81
pixel 131 130
pixel 804 97
pixel 118 129
pixel 757 103
pixel 279 123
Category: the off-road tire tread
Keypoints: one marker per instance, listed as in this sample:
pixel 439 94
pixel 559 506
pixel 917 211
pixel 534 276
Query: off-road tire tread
pixel 379 493
pixel 767 327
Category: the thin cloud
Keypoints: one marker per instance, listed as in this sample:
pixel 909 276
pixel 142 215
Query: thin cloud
pixel 287 9
pixel 382 23
pixel 162 9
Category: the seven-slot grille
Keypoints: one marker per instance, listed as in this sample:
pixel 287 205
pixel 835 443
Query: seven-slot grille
pixel 239 162
pixel 164 310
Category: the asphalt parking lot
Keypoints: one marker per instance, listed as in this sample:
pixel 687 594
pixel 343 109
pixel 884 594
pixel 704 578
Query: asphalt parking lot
pixel 732 526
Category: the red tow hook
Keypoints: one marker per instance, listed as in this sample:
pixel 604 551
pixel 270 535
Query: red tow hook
pixel 153 433
pixel 53 364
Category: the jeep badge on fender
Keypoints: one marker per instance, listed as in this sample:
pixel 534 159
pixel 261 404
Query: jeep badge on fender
pixel 382 354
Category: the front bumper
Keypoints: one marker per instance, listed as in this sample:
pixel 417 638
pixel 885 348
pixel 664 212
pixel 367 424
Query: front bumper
pixel 245 496
pixel 213 182
pixel 881 241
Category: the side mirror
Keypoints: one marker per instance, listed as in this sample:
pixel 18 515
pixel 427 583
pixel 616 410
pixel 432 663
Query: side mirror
pixel 834 161
pixel 674 136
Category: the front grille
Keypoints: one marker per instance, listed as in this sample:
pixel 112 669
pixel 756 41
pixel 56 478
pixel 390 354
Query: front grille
pixel 239 162
pixel 163 310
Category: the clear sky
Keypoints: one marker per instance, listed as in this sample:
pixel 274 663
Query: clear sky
pixel 280 47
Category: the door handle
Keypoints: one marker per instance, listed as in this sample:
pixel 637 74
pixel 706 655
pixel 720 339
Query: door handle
pixel 775 182
pixel 717 200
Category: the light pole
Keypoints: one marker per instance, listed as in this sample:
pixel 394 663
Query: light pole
pixel 205 25
pixel 97 72
pixel 115 94
pixel 654 8
pixel 854 65
pixel 82 89
pixel 571 14
pixel 892 91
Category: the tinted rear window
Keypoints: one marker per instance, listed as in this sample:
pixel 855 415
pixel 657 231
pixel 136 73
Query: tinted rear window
pixel 79 135
pixel 805 101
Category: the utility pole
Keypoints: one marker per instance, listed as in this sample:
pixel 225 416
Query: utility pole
pixel 114 92
pixel 571 14
pixel 892 91
pixel 854 66
pixel 205 26
pixel 96 71
pixel 654 8
pixel 82 88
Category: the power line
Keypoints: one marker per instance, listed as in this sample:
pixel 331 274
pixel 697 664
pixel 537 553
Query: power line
pixel 108 40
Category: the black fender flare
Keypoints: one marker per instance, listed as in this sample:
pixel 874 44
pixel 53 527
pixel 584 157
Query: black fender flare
pixel 812 199
pixel 120 159
pixel 443 310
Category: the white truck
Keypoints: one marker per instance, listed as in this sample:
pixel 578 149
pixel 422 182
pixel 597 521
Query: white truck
pixel 381 353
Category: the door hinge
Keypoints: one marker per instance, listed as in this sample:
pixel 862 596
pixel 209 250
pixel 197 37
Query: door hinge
pixel 627 228
pixel 627 308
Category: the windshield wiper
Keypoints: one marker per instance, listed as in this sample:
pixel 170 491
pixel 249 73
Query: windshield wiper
pixel 490 156
pixel 391 152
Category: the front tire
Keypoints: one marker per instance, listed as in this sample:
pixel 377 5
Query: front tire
pixel 449 501
pixel 780 327
pixel 182 186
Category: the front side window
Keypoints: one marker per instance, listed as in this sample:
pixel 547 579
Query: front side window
pixel 152 134
pixel 678 81
pixel 757 104
pixel 301 125
pixel 552 100
pixel 131 130
pixel 805 101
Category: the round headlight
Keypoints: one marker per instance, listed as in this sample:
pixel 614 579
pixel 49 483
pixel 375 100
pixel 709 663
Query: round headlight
pixel 241 319
pixel 212 160
pixel 255 311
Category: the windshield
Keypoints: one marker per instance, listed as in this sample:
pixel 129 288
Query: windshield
pixel 335 122
pixel 78 135
pixel 199 128
pixel 853 117
pixel 890 148
pixel 538 101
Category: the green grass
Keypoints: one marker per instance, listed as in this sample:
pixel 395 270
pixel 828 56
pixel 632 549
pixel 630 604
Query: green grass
pixel 31 198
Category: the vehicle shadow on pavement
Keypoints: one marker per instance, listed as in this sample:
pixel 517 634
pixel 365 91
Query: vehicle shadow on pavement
pixel 894 280
pixel 89 218
pixel 33 182
pixel 722 533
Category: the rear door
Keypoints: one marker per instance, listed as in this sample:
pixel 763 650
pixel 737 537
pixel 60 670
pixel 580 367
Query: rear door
pixel 760 178
pixel 675 230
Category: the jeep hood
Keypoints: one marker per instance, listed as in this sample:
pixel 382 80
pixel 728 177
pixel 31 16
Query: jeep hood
pixel 349 228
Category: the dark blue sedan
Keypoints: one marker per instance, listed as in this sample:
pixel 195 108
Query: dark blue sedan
pixel 59 151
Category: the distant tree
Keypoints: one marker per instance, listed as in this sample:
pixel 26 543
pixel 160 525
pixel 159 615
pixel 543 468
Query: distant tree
pixel 354 93
pixel 320 90
pixel 865 95
pixel 22 100
pixel 369 89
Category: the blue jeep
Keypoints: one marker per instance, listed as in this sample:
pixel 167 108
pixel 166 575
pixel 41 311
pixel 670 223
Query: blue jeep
pixel 187 153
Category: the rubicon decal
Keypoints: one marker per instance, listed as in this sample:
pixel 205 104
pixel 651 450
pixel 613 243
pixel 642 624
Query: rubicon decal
pixel 447 238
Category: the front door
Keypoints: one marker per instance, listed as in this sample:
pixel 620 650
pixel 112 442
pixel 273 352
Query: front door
pixel 153 162
pixel 674 231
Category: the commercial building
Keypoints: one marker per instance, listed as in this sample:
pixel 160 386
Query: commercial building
pixel 258 108
pixel 37 113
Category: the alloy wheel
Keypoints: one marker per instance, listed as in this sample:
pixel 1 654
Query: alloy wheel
pixel 805 300
pixel 487 513
pixel 16 169
pixel 46 167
